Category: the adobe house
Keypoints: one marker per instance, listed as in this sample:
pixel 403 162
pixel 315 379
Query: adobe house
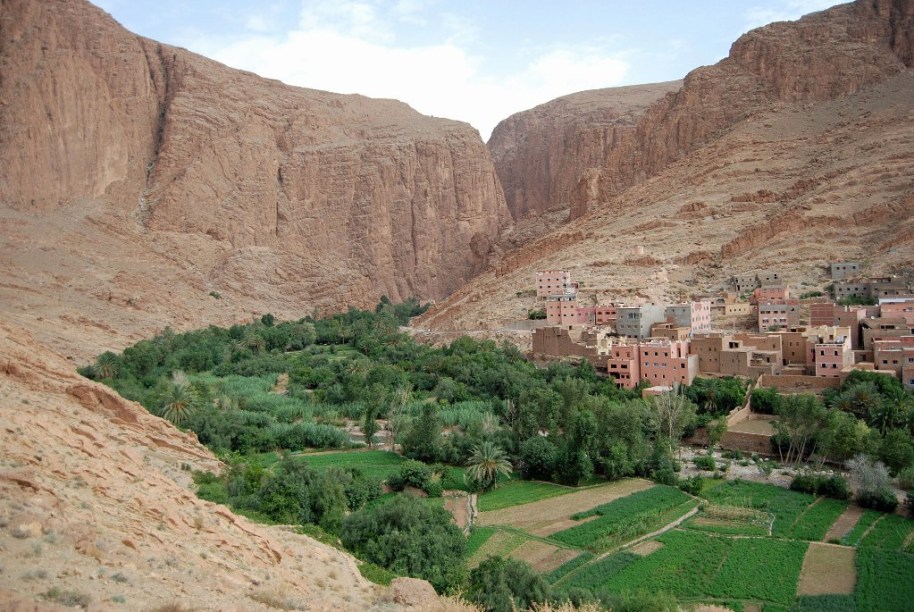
pixel 888 355
pixel 832 355
pixel 778 313
pixel 773 293
pixel 844 269
pixel 695 316
pixel 907 366
pixel 552 282
pixel 898 307
pixel 744 283
pixel 664 362
pixel 883 328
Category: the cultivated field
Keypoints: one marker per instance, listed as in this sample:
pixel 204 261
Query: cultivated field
pixel 828 570
pixel 548 516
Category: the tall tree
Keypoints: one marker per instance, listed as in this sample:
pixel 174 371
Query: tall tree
pixel 486 463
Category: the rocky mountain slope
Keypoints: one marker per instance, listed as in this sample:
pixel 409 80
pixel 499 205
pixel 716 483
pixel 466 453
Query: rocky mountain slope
pixel 96 509
pixel 541 154
pixel 139 178
pixel 795 150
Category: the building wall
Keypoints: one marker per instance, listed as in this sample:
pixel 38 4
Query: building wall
pixel 888 355
pixel 561 310
pixel 844 269
pixel 707 348
pixel 624 365
pixel 902 310
pixel 769 294
pixel 694 315
pixel 822 314
pixel 740 308
pixel 850 316
pixel 665 363
pixel 551 282
pixel 778 315
pixel 770 278
pixel 636 321
pixel 883 329
pixel 832 357
pixel 559 342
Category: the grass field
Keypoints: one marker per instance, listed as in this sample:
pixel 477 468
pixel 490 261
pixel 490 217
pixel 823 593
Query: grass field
pixel 816 520
pixel 853 537
pixel 788 507
pixel 627 518
pixel 548 516
pixel 518 492
pixel 731 520
pixel 377 464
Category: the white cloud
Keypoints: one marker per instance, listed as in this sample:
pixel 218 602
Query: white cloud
pixel 790 10
pixel 351 47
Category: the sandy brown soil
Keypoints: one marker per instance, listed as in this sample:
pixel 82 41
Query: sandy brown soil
pixel 844 523
pixel 828 569
pixel 543 557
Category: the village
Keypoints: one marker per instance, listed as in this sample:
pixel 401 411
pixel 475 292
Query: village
pixel 791 344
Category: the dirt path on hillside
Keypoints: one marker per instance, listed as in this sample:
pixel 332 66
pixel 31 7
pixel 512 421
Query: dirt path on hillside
pixel 844 523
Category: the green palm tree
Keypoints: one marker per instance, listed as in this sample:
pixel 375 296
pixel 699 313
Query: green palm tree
pixel 179 402
pixel 486 464
pixel 107 365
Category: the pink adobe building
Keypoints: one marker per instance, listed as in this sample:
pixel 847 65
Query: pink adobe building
pixel 832 355
pixel 898 308
pixel 769 294
pixel 623 365
pixel 888 355
pixel 778 313
pixel 665 362
pixel 907 366
pixel 561 310
pixel 552 282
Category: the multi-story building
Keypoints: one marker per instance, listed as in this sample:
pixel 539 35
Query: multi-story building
pixel 888 355
pixel 844 269
pixel 883 328
pixel 822 313
pixel 773 293
pixel 694 315
pixel 832 355
pixel 636 321
pixel 665 362
pixel 778 314
pixel 871 288
pixel 770 278
pixel 851 317
pixel 907 366
pixel 552 282
pixel 623 364
pixel 562 309
pixel 670 331
pixel 744 283
pixel 898 307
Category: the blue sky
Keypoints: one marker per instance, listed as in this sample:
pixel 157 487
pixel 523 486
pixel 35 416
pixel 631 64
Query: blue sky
pixel 473 60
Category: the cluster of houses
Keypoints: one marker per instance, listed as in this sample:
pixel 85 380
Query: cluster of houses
pixel 673 343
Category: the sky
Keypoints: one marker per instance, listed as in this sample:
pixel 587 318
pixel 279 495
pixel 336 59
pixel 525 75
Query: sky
pixel 477 61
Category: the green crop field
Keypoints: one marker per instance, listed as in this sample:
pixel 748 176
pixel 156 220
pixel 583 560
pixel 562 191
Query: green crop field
pixel 695 566
pixel 626 518
pixel 786 506
pixel 595 576
pixel 814 522
pixel 477 538
pixel 885 580
pixel 517 492
pixel 889 532
pixel 560 572
pixel 376 464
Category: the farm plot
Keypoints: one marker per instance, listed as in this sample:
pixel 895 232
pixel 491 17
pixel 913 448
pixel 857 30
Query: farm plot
pixel 548 516
pixel 375 464
pixel 543 557
pixel 866 520
pixel 890 532
pixel 816 520
pixel 697 566
pixel 788 507
pixel 845 523
pixel 499 544
pixel 884 580
pixel 597 575
pixel 731 520
pixel 627 518
pixel 828 570
pixel 519 492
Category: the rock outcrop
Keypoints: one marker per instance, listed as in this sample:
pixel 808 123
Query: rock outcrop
pixel 318 199
pixel 821 57
pixel 542 153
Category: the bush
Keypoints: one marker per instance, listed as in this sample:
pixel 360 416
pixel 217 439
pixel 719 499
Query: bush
pixel 906 478
pixel 830 486
pixel 408 537
pixel 883 500
pixel 505 585
pixel 705 463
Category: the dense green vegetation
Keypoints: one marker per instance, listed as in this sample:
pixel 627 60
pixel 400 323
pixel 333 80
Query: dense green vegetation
pixel 884 580
pixel 478 417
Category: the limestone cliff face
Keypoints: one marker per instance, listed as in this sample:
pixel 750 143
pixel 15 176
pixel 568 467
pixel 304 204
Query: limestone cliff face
pixel 820 57
pixel 323 199
pixel 541 154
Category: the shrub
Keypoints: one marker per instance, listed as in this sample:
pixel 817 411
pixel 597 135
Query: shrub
pixel 408 537
pixel 884 500
pixel 829 486
pixel 906 478
pixel 505 585
pixel 705 463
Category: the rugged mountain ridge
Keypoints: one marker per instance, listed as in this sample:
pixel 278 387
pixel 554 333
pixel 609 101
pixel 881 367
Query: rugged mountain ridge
pixel 541 153
pixel 820 57
pixel 322 200
pixel 794 151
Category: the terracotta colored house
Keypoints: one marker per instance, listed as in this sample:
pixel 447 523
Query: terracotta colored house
pixel 898 307
pixel 562 309
pixel 888 355
pixel 623 364
pixel 769 294
pixel 778 314
pixel 832 356
pixel 907 366
pixel 664 362
pixel 552 282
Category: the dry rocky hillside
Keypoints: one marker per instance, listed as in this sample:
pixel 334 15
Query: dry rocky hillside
pixel 795 150
pixel 138 178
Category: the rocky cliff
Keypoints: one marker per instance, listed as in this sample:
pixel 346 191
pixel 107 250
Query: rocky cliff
pixel 821 57
pixel 224 181
pixel 542 153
